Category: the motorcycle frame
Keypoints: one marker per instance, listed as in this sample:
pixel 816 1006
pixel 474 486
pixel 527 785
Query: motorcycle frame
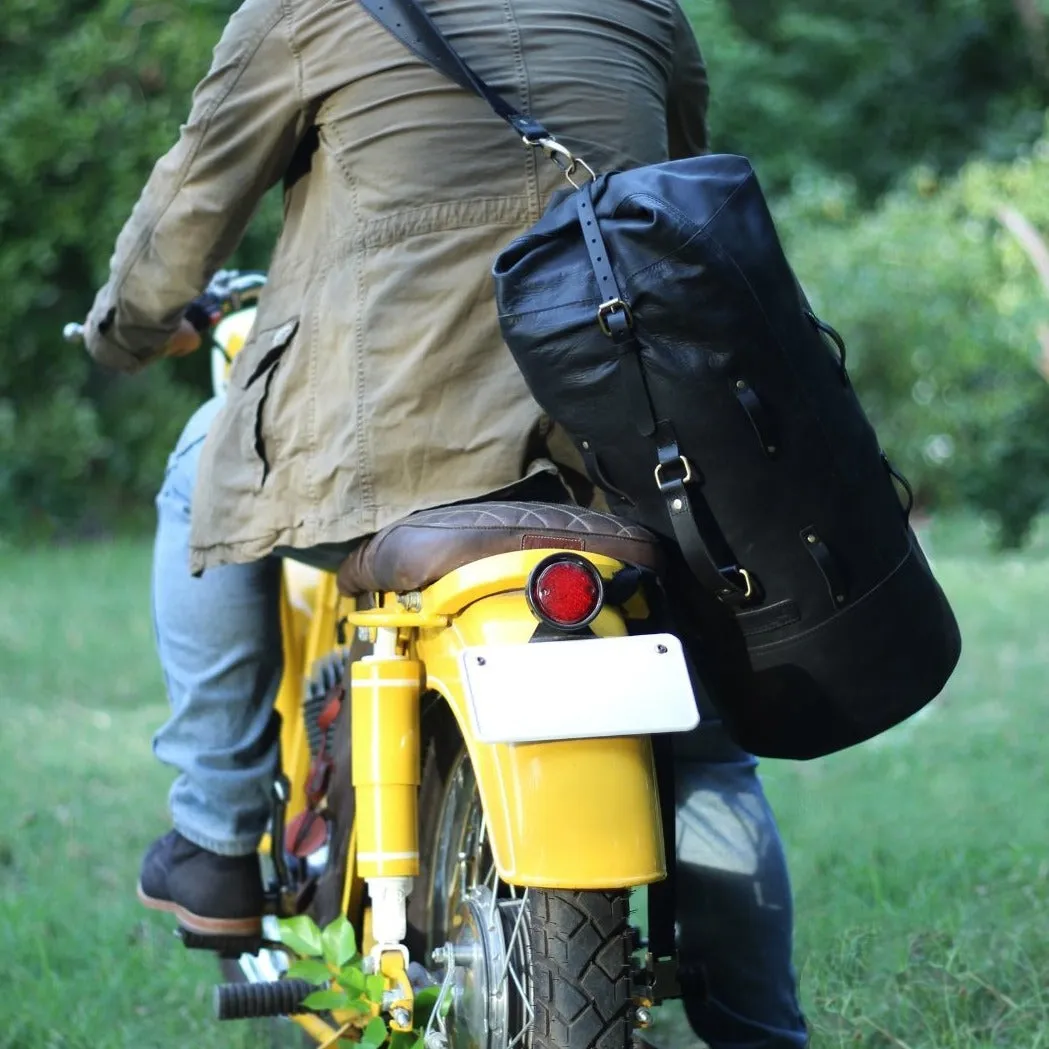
pixel 569 814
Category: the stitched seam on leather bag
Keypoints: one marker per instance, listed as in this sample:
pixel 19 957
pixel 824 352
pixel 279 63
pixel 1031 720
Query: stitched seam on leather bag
pixel 665 205
pixel 641 194
pixel 845 611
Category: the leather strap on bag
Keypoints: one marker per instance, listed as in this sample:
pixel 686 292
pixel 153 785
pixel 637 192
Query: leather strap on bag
pixel 705 549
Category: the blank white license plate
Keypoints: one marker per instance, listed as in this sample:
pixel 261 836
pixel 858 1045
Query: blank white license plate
pixel 618 686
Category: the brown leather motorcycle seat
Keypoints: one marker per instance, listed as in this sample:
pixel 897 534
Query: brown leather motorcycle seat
pixel 418 550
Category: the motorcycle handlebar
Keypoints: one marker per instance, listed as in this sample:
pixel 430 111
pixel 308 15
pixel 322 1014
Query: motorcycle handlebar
pixel 228 289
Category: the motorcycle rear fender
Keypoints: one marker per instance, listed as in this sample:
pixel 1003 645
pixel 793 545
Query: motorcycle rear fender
pixel 572 814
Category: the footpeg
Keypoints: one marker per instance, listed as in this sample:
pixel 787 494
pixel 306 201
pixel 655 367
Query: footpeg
pixel 223 946
pixel 250 1001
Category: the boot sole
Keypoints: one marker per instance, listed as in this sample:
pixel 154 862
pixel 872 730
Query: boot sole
pixel 201 925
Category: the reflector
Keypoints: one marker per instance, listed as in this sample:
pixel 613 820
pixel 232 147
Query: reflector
pixel 565 591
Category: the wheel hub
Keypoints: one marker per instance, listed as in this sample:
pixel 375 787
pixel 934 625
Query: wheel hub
pixel 479 986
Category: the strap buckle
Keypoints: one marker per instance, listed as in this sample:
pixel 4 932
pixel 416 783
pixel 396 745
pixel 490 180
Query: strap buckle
pixel 686 467
pixel 606 309
pixel 748 581
pixel 564 158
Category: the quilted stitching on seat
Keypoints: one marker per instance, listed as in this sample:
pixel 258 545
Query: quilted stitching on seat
pixel 419 549
pixel 543 516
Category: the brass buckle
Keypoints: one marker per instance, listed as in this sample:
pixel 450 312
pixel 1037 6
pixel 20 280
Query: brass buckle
pixel 613 306
pixel 746 577
pixel 748 581
pixel 749 592
pixel 664 485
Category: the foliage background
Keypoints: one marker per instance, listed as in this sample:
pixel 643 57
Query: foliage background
pixel 888 136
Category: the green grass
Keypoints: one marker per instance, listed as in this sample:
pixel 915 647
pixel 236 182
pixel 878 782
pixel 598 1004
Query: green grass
pixel 919 861
pixel 82 965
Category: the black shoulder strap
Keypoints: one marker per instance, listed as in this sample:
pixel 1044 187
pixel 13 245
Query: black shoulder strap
pixel 410 23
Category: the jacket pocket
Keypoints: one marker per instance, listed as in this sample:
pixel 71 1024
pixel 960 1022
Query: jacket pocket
pixel 272 343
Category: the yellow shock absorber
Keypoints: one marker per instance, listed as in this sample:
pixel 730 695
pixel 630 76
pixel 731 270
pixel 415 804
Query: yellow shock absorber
pixel 386 770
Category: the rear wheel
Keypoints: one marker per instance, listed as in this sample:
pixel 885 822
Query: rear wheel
pixel 548 969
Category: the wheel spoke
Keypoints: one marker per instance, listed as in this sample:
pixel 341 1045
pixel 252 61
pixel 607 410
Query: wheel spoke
pixel 436 1021
pixel 515 968
pixel 521 906
pixel 525 999
pixel 503 914
pixel 483 853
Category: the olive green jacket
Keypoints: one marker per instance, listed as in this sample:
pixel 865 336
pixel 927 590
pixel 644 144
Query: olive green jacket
pixel 375 381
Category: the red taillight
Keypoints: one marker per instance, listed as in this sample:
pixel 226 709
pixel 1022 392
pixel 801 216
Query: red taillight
pixel 565 591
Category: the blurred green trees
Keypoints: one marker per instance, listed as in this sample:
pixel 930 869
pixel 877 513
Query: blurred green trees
pixel 891 138
pixel 91 94
pixel 870 89
pixel 941 307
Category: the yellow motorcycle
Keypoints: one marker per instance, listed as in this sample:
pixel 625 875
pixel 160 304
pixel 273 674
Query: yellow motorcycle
pixel 469 709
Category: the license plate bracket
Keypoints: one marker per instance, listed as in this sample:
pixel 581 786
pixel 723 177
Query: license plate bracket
pixel 578 689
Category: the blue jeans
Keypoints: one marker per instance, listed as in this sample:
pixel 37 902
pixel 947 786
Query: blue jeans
pixel 218 638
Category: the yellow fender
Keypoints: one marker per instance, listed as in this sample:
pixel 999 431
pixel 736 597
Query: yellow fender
pixel 572 814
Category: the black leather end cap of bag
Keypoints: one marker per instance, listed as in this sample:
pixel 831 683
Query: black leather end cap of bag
pixel 869 681
pixel 800 700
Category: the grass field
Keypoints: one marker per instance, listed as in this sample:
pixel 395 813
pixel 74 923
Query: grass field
pixel 920 862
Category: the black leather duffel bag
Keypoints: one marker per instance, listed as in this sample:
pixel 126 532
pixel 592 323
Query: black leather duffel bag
pixel 654 316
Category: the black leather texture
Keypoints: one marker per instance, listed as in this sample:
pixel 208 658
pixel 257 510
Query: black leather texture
pixel 788 481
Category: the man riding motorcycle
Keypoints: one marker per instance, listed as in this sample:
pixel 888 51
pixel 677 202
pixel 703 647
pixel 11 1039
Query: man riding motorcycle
pixel 375 383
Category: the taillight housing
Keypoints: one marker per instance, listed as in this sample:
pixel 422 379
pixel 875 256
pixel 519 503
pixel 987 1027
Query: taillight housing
pixel 565 591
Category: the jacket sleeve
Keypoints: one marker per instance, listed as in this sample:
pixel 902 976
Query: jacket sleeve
pixel 689 94
pixel 246 119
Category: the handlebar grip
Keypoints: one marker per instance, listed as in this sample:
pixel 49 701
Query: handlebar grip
pixel 73 332
pixel 203 312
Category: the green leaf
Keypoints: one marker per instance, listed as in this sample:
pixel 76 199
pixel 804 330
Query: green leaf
pixel 351 977
pixel 376 1032
pixel 425 1000
pixel 309 969
pixel 406 1040
pixel 322 1000
pixel 426 997
pixel 374 987
pixel 339 942
pixel 302 936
